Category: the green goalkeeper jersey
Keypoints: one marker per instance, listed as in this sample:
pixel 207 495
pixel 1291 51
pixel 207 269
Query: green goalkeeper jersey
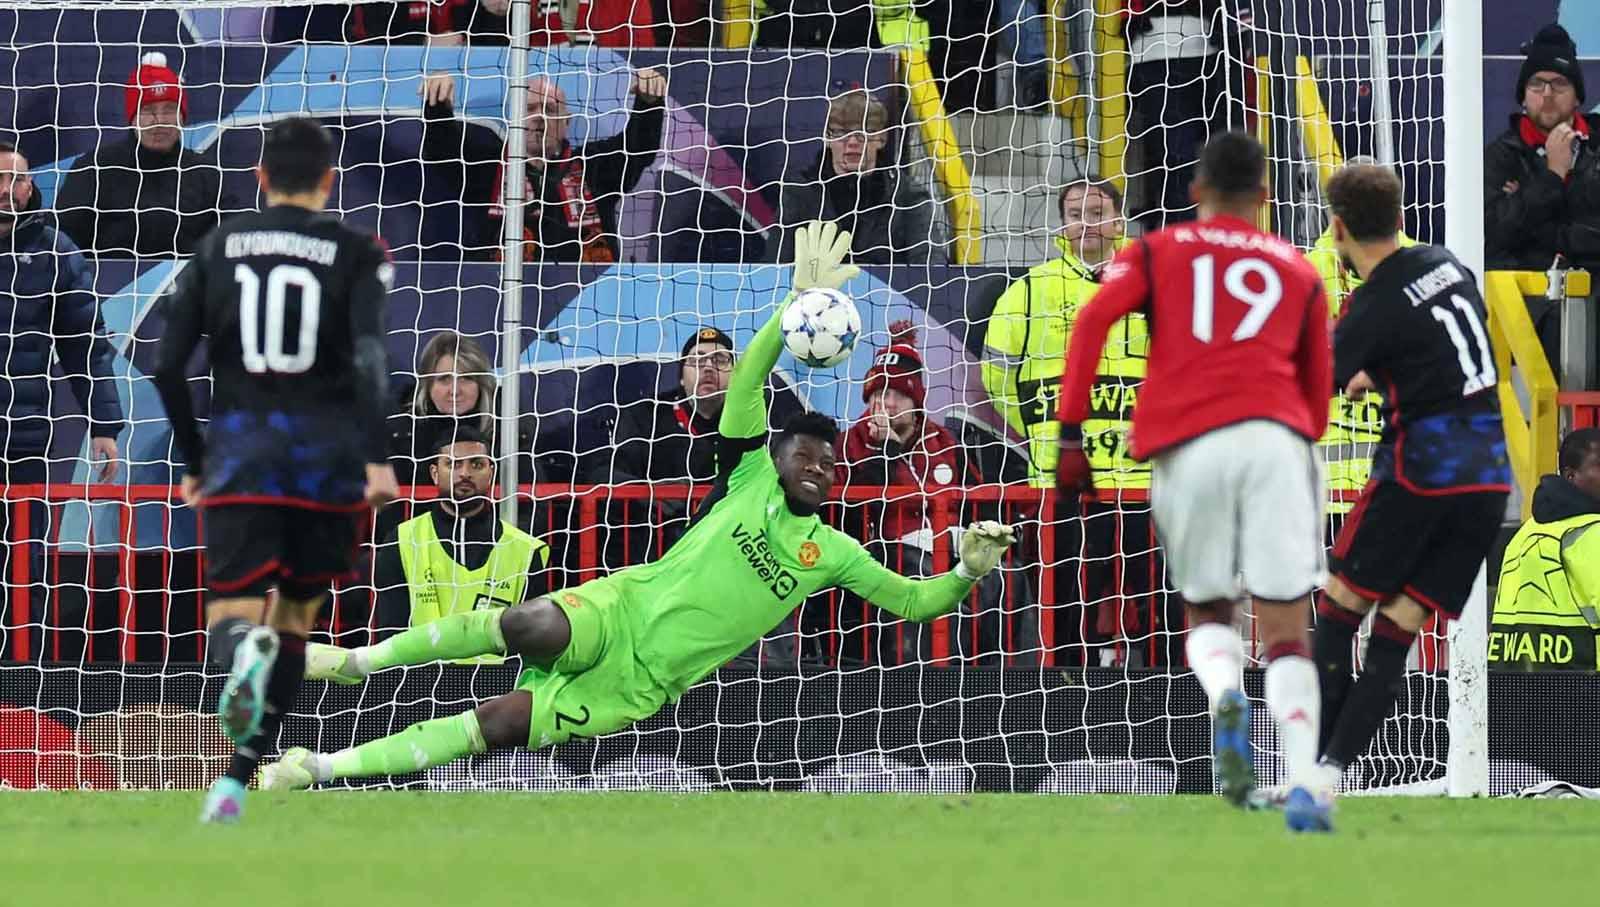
pixel 748 560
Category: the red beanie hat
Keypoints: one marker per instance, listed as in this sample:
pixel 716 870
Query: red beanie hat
pixel 897 365
pixel 152 83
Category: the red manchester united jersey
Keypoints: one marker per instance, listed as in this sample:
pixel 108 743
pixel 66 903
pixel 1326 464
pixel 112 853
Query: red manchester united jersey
pixel 1238 331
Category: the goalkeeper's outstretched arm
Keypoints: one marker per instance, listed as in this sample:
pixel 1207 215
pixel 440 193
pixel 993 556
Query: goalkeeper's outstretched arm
pixel 925 599
pixel 819 252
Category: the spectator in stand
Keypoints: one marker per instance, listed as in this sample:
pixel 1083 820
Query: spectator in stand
pixel 455 391
pixel 147 194
pixel 1182 52
pixel 1023 359
pixel 572 192
pixel 857 186
pixel 1542 176
pixel 1022 28
pixel 50 314
pixel 896 447
pixel 607 23
pixel 672 438
pixel 460 556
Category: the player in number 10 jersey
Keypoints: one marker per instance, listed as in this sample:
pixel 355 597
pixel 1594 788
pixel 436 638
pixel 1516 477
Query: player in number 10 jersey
pixel 292 302
pixel 1236 396
pixel 1416 538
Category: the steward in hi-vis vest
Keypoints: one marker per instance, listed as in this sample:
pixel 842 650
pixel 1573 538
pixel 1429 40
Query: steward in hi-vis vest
pixel 459 556
pixel 1547 605
pixel 1025 347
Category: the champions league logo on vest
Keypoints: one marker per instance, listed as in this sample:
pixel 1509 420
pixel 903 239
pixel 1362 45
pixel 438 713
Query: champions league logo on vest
pixel 763 562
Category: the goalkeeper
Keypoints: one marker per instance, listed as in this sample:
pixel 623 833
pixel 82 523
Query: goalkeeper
pixel 615 650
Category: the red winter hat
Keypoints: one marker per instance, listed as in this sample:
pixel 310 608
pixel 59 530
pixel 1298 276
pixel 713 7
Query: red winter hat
pixel 152 83
pixel 897 365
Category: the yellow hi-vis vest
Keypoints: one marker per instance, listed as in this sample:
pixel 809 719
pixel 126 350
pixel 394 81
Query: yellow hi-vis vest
pixel 439 586
pixel 1025 351
pixel 1547 606
pixel 1354 426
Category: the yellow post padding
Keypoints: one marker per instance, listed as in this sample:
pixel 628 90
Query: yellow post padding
pixel 1264 131
pixel 1316 129
pixel 739 23
pixel 1532 435
pixel 1111 91
pixel 948 165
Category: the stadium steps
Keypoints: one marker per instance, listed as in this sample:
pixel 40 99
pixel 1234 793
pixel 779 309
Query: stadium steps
pixel 1017 162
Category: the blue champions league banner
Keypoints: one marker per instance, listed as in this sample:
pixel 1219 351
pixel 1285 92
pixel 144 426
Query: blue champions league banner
pixel 589 339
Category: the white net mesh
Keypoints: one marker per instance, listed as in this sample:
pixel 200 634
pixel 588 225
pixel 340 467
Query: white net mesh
pixel 655 219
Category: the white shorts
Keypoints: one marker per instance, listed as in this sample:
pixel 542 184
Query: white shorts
pixel 1239 511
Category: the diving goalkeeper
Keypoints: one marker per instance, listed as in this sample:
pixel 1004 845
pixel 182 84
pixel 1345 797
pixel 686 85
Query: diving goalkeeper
pixel 615 650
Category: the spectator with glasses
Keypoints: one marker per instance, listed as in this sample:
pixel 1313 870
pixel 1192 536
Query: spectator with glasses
pixel 1541 178
pixel 856 183
pixel 672 437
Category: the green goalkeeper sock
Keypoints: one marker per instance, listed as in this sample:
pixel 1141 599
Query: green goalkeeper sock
pixel 418 747
pixel 455 636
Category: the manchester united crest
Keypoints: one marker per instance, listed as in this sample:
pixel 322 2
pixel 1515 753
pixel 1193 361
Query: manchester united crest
pixel 572 601
pixel 809 553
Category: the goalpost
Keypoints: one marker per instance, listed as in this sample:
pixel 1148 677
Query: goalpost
pixel 1063 676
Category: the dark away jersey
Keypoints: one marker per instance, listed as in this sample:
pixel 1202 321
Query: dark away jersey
pixel 1418 327
pixel 292 303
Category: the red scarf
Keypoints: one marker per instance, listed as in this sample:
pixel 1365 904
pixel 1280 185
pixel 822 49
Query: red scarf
pixel 929 463
pixel 1534 137
pixel 577 202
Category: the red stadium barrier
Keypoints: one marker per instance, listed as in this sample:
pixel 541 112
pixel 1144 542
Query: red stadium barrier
pixel 145 603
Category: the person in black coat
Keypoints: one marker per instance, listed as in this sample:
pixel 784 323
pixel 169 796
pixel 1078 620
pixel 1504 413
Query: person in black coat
pixel 1542 175
pixel 49 312
pixel 147 194
pixel 573 192
pixel 890 219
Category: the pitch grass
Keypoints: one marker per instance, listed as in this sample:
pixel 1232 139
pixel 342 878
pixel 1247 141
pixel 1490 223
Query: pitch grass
pixel 388 849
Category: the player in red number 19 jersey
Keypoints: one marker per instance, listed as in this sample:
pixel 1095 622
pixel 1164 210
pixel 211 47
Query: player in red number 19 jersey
pixel 1236 396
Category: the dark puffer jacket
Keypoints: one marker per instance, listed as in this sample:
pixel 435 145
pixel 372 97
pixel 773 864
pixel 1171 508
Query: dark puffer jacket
pixel 1524 229
pixel 890 219
pixel 47 304
pixel 128 200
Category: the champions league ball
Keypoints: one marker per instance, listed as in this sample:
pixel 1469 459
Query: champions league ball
pixel 820 327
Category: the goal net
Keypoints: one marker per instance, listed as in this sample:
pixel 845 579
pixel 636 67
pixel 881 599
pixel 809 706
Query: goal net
pixel 663 177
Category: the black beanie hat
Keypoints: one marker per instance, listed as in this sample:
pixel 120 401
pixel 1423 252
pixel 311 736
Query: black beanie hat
pixel 1551 50
pixel 705 335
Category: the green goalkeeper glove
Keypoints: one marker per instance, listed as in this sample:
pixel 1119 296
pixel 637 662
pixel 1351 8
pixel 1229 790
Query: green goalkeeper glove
pixel 820 248
pixel 981 547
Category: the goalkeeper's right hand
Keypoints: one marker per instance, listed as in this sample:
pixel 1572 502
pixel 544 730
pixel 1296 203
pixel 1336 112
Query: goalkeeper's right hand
pixel 820 248
pixel 981 547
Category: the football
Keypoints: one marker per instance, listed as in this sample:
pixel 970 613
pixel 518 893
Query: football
pixel 820 327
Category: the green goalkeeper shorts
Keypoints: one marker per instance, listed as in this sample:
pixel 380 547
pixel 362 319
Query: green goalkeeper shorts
pixel 595 686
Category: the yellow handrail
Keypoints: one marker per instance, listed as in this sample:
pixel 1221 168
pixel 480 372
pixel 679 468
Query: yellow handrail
pixel 1111 91
pixel 739 22
pixel 1532 435
pixel 948 166
pixel 1316 128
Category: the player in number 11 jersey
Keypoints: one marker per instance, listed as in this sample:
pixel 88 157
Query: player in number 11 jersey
pixel 1416 538
pixel 292 302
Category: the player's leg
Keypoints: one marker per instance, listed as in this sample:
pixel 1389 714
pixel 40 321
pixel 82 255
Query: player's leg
pixel 537 630
pixel 1389 533
pixel 1340 611
pixel 1194 500
pixel 1282 559
pixel 243 557
pixel 595 687
pixel 1439 581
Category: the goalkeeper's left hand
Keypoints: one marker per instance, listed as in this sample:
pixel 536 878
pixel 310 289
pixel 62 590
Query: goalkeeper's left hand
pixel 981 547
pixel 820 248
